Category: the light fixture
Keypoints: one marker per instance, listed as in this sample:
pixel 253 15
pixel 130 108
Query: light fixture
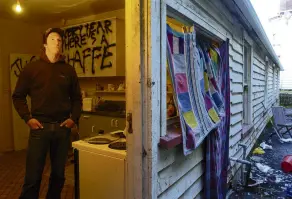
pixel 17 7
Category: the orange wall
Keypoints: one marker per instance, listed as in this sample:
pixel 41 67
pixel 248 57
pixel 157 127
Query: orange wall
pixel 15 37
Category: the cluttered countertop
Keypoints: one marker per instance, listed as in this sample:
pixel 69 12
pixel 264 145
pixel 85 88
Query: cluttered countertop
pixel 104 107
pixel 118 114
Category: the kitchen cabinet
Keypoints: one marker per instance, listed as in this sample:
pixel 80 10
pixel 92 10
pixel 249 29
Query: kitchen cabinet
pixel 91 124
pixel 96 48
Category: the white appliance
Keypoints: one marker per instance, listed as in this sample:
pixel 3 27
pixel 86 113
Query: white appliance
pixel 101 171
pixel 87 104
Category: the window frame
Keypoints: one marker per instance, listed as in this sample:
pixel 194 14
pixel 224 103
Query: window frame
pixel 171 9
pixel 247 117
pixel 266 82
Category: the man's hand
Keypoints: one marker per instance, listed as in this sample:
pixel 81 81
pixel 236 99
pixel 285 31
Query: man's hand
pixel 69 123
pixel 34 124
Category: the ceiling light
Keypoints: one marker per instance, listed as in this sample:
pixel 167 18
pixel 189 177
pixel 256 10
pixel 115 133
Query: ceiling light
pixel 17 7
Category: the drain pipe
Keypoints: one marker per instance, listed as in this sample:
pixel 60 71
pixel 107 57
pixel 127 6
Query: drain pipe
pixel 244 149
pixel 244 178
pixel 240 161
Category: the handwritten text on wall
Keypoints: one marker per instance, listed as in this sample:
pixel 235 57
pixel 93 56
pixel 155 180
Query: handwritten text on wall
pixel 90 46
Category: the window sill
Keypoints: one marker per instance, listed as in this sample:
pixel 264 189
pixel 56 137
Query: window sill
pixel 173 135
pixel 170 140
pixel 246 130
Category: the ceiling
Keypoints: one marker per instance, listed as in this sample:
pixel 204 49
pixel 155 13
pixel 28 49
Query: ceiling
pixel 49 11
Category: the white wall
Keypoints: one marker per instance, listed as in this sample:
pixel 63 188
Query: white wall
pixel 15 37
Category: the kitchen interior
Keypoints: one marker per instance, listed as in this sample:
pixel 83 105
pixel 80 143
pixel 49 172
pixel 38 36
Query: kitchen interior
pixel 99 141
pixel 100 148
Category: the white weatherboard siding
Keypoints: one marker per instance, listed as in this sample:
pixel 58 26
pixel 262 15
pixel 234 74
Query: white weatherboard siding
pixel 182 177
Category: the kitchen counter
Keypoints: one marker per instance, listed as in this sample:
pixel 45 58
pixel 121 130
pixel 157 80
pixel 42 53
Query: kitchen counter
pixel 106 113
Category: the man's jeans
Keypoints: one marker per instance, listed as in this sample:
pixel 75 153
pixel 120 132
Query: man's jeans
pixel 56 139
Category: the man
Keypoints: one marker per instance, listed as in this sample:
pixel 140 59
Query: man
pixel 55 107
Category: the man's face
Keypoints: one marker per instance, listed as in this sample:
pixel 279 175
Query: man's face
pixel 54 43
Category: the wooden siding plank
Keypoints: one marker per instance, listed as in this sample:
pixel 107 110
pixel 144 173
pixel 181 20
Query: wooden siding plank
pixel 258 82
pixel 181 185
pixel 236 98
pixel 235 66
pixel 236 77
pixel 236 56
pixel 259 121
pixel 237 47
pixel 258 112
pixel 194 190
pixel 256 120
pixel 236 87
pixel 258 76
pixel 259 70
pixel 235 151
pixel 259 94
pixel 258 61
pixel 257 89
pixel 235 118
pixel 236 128
pixel 259 65
pixel 168 157
pixel 236 108
pixel 169 175
pixel 233 140
pixel 257 101
pixel 220 18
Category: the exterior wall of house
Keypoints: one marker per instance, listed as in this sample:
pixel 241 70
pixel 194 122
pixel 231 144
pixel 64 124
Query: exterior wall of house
pixel 182 177
pixel 260 112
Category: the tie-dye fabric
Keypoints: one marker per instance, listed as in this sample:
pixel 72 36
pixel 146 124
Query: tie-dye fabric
pixel 217 146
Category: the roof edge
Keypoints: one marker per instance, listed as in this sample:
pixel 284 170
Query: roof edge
pixel 250 14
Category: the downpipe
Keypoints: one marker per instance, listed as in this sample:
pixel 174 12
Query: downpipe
pixel 244 174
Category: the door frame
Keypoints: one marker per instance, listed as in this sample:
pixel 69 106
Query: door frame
pixel 134 79
pixel 145 79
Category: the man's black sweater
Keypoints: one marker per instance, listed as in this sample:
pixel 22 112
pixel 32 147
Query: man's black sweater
pixel 54 91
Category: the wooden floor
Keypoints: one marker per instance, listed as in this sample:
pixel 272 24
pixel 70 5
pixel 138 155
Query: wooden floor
pixel 12 169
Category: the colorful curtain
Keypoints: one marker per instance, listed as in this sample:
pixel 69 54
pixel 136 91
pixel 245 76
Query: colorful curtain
pixel 194 74
pixel 177 54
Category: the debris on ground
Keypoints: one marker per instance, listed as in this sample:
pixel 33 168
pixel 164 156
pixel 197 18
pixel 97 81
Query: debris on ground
pixel 286 140
pixel 263 168
pixel 289 191
pixel 258 150
pixel 286 164
pixel 267 179
pixel 257 159
pixel 264 146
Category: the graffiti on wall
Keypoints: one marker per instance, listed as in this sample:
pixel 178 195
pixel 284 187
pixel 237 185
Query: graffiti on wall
pixel 18 62
pixel 90 45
